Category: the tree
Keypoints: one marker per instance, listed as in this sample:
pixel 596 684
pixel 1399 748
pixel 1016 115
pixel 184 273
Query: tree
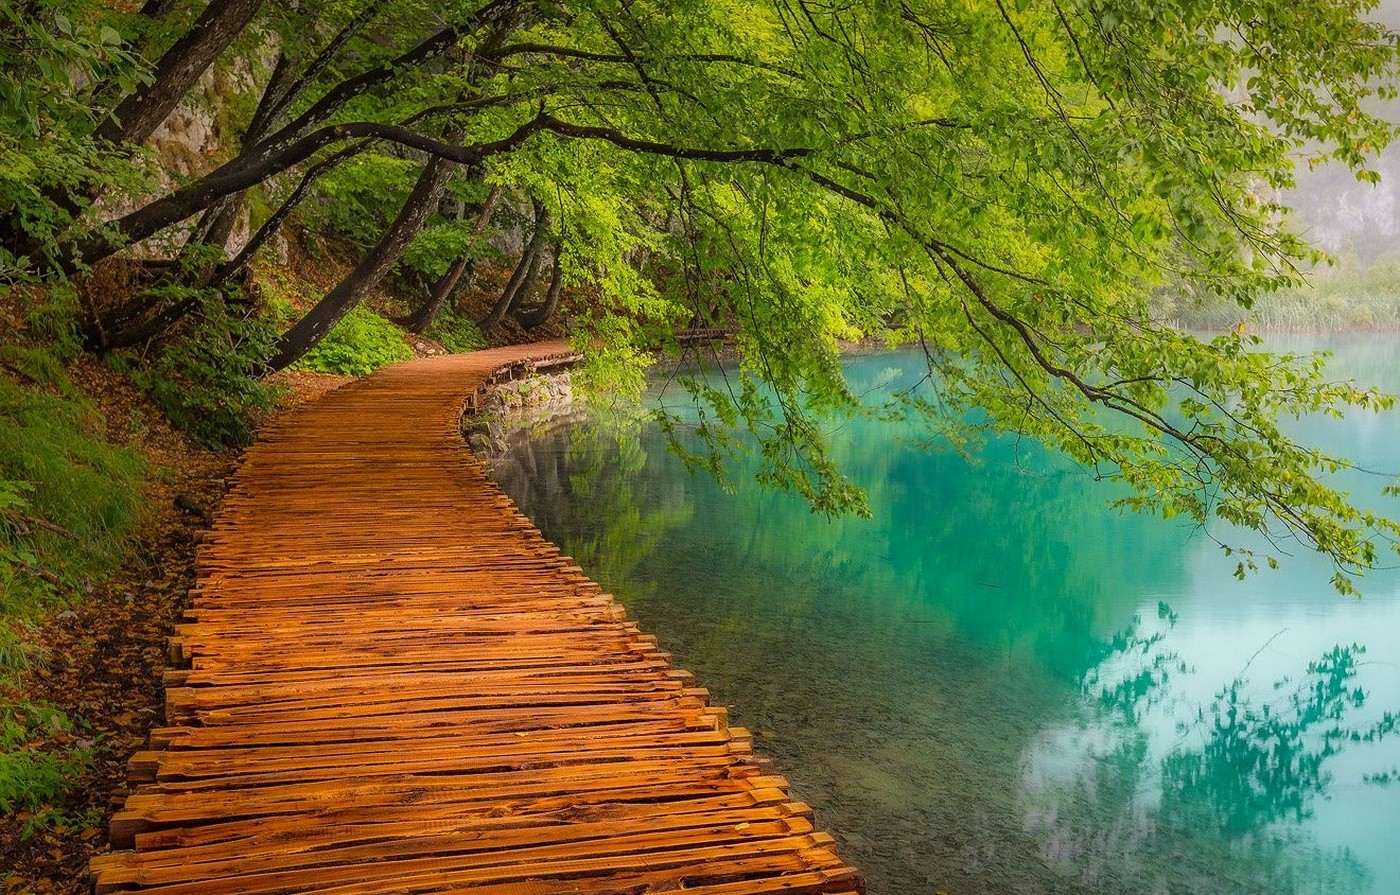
pixel 522 279
pixel 1002 184
pixel 138 115
pixel 376 263
pixel 538 315
pixel 459 273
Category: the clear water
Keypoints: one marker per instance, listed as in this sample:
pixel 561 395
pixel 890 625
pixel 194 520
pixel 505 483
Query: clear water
pixel 997 684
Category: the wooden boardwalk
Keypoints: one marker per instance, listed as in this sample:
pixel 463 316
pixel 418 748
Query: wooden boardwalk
pixel 396 684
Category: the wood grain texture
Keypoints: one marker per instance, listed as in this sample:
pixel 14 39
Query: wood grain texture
pixel 392 682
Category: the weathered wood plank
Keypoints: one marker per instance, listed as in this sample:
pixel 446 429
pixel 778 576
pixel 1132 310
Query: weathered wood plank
pixel 396 684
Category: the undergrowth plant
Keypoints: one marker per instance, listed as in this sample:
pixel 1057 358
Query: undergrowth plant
pixel 67 497
pixel 34 779
pixel 359 344
pixel 204 379
pixel 456 332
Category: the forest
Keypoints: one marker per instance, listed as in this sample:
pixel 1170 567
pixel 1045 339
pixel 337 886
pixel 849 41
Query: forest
pixel 198 200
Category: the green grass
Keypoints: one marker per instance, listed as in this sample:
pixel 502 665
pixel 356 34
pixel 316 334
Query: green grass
pixel 68 499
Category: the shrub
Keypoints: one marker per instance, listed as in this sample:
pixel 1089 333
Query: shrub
pixel 359 344
pixel 204 377
pixel 456 333
pixel 33 778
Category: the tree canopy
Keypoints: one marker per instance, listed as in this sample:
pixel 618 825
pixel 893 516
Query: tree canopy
pixel 1004 183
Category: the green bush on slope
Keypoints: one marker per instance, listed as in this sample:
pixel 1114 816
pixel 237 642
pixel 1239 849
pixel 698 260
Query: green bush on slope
pixel 360 343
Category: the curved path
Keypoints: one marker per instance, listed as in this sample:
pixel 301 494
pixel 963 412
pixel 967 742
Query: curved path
pixel 396 684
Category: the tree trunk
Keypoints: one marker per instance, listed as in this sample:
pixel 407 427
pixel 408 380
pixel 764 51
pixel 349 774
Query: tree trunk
pixel 216 224
pixel 380 259
pixel 291 145
pixel 214 229
pixel 507 298
pixel 538 315
pixel 523 278
pixel 157 9
pixel 442 292
pixel 142 318
pixel 443 289
pixel 289 204
pixel 138 116
pixel 134 322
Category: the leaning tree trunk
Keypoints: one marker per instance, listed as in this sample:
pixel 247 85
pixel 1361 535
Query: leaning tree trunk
pixel 279 217
pixel 144 316
pixel 380 259
pixel 443 289
pixel 523 279
pixel 540 314
pixel 216 224
pixel 461 270
pixel 138 116
pixel 284 87
pixel 291 145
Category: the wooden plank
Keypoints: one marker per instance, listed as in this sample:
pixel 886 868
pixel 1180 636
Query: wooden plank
pixel 396 684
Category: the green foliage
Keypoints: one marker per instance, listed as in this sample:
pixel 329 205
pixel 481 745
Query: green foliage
pixel 358 199
pixel 359 344
pixel 53 321
pixel 1005 185
pixel 204 379
pixel 34 778
pixel 456 332
pixel 435 249
pixel 67 500
pixel 38 365
pixel 47 47
pixel 18 562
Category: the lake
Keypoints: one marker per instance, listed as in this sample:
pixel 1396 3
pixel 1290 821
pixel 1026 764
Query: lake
pixel 998 684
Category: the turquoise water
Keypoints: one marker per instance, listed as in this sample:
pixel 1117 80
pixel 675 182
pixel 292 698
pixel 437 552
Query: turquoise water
pixel 997 684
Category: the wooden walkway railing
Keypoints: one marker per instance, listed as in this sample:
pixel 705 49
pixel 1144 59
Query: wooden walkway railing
pixel 396 684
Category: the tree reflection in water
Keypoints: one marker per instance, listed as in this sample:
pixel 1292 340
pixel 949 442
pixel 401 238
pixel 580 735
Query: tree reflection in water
pixel 1217 810
pixel 599 467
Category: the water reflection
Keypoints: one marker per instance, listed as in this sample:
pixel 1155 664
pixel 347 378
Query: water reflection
pixel 996 684
pixel 1221 804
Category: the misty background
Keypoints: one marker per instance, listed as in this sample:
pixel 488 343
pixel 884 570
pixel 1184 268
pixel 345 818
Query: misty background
pixel 1357 223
